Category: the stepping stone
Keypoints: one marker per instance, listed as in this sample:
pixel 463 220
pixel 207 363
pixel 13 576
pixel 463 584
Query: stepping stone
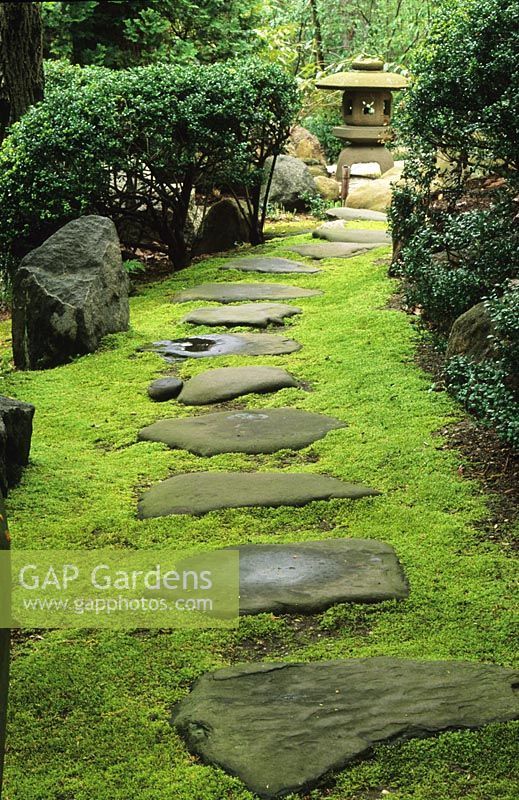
pixel 282 727
pixel 356 213
pixel 217 385
pixel 253 431
pixel 165 389
pixel 221 344
pixel 274 265
pixel 333 249
pixel 236 292
pixel 308 577
pixel 337 232
pixel 258 315
pixel 201 492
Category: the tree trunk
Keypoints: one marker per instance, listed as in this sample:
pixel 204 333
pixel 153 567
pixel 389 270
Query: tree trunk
pixel 318 36
pixel 21 61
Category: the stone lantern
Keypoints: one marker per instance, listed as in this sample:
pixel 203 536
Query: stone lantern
pixel 366 111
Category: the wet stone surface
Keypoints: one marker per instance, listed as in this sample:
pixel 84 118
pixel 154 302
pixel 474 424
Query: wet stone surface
pixel 252 431
pixel 308 577
pixel 269 265
pixel 283 727
pixel 200 492
pixel 237 292
pixel 257 315
pixel 321 250
pixel 220 344
pixel 164 389
pixel 217 385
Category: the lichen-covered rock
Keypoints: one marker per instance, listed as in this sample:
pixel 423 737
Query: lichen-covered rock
pixel 304 145
pixel 470 335
pixel 328 188
pixel 68 294
pixel 15 440
pixel 292 183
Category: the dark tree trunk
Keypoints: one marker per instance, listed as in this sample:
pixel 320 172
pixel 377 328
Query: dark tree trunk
pixel 21 64
pixel 318 36
pixel 5 638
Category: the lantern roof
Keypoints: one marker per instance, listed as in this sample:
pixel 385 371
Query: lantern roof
pixel 366 73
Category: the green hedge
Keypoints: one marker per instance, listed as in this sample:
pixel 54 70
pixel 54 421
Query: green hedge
pixel 118 143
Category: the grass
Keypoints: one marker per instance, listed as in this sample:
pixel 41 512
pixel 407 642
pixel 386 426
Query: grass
pixel 89 709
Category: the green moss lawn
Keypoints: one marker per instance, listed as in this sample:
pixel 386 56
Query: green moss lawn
pixel 89 709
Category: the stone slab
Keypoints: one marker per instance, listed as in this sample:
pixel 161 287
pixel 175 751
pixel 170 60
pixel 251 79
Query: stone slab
pixel 283 728
pixel 336 231
pixel 238 292
pixel 321 250
pixel 257 315
pixel 200 492
pixel 164 389
pixel 356 213
pixel 217 385
pixel 270 265
pixel 265 430
pixel 221 344
pixel 308 577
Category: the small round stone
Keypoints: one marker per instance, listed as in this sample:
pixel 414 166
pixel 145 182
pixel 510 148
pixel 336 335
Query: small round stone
pixel 165 389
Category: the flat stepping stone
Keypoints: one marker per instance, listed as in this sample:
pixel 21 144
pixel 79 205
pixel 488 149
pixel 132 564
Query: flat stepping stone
pixel 221 344
pixel 164 389
pixel 356 213
pixel 282 728
pixel 257 315
pixel 337 232
pixel 236 292
pixel 217 385
pixel 269 265
pixel 253 431
pixel 200 492
pixel 308 577
pixel 333 249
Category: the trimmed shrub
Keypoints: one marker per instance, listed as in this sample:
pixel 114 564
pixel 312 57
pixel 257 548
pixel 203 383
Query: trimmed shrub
pixel 136 144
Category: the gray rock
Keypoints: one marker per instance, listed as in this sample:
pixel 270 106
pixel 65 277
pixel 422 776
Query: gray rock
pixel 292 183
pixel 165 389
pixel 308 577
pixel 283 728
pixel 223 227
pixel 200 492
pixel 217 385
pixel 256 315
pixel 356 213
pixel 221 344
pixel 337 232
pixel 470 334
pixel 68 294
pixel 269 265
pixel 265 430
pixel 333 249
pixel 237 292
pixel 15 440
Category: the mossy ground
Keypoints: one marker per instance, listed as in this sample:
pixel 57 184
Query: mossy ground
pixel 89 710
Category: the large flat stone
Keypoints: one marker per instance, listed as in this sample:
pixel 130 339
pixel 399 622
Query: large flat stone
pixel 265 430
pixel 321 250
pixel 283 728
pixel 257 315
pixel 217 385
pixel 236 292
pixel 356 213
pixel 221 344
pixel 201 492
pixel 311 576
pixel 337 232
pixel 269 265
